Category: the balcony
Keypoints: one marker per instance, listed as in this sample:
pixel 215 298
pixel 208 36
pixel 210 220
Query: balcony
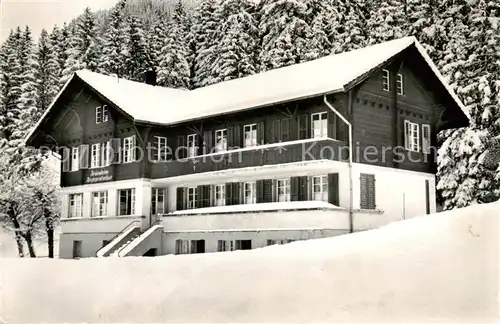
pixel 269 154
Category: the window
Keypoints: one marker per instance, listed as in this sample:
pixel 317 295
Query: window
pixel 106 154
pixel 158 201
pixel 99 203
pixel 126 201
pixel 219 195
pixel 320 188
pixel 75 157
pixel 95 160
pixel 412 136
pixel 98 115
pixel 221 140
pixel 104 113
pixel 283 190
pixel 75 205
pixel 224 245
pixel 399 85
pixel 249 192
pixel 160 155
pixel 101 114
pixel 273 242
pixel 385 80
pixel 426 138
pixel 319 125
pixel 129 149
pixel 182 247
pixel 367 191
pixel 303 129
pixel 192 145
pixel 191 198
pixel 250 133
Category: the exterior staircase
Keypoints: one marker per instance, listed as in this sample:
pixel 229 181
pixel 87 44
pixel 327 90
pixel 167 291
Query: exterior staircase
pixel 131 241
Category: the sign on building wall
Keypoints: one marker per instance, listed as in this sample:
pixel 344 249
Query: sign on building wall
pixel 96 176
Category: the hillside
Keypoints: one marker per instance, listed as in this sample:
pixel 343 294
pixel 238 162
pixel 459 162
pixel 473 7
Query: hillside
pixel 442 267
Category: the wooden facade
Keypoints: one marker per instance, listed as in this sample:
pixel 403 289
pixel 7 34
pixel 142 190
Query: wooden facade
pixel 377 117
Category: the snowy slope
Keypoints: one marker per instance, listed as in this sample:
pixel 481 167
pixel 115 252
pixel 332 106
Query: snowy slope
pixel 442 267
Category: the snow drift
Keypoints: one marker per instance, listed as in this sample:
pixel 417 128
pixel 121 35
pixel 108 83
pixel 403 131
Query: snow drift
pixel 442 267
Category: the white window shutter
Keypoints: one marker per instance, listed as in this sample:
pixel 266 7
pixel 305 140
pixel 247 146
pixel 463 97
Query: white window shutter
pixel 133 149
pixel 66 155
pixel 407 135
pixel 426 138
pixel 84 156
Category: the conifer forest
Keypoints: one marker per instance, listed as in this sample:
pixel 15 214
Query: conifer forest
pixel 196 43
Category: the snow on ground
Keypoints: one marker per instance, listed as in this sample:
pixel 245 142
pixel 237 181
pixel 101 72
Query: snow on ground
pixel 442 267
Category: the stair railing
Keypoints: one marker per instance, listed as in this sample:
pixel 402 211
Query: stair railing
pixel 126 228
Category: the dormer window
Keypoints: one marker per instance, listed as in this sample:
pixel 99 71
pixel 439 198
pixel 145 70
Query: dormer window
pixel 385 80
pixel 399 85
pixel 101 114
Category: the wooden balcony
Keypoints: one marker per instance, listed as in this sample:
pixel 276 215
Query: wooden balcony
pixel 288 152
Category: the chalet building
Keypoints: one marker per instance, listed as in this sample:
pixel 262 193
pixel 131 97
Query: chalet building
pixel 340 144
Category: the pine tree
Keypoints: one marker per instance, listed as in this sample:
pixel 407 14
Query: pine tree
pixel 10 83
pixel 156 38
pixel 387 21
pixel 202 42
pixel 137 60
pixel 114 51
pixel 351 29
pixel 283 39
pixel 46 74
pixel 62 44
pixel 237 42
pixel 173 70
pixel 320 15
pixel 87 40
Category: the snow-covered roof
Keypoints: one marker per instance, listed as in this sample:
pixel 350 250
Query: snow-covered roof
pixel 330 74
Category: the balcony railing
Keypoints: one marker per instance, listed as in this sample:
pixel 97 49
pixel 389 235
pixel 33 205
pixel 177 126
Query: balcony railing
pixel 279 153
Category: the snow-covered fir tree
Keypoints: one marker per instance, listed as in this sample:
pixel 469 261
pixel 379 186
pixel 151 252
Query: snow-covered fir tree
pixel 115 40
pixel 387 21
pixel 155 39
pixel 236 46
pixel 320 15
pixel 351 29
pixel 46 73
pixel 284 38
pixel 173 70
pixel 137 60
pixel 61 40
pixel 202 42
pixel 10 86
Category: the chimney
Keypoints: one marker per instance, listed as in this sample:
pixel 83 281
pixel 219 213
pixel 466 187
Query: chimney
pixel 150 77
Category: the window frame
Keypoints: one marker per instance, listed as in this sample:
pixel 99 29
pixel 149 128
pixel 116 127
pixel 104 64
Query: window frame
pixel 155 201
pixel 104 113
pixel 222 188
pixel 98 114
pixel 323 124
pixel 412 136
pixel 252 141
pixel 128 149
pixel 130 197
pixel 191 193
pixel 75 159
pixel 223 136
pixel 192 150
pixel 323 182
pixel 400 85
pixel 386 80
pixel 73 211
pixel 253 192
pixel 182 247
pixel 225 245
pixel 95 155
pixel 102 212
pixel 285 185
pixel 161 148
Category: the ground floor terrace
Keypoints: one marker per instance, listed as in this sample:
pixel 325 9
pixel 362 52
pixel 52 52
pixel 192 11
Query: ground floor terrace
pixel 238 209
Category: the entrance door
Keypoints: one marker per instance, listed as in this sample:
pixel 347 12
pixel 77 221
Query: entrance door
pixel 77 249
pixel 198 246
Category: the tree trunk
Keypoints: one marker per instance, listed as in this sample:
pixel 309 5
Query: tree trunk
pixel 29 242
pixel 17 230
pixel 19 242
pixel 50 235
